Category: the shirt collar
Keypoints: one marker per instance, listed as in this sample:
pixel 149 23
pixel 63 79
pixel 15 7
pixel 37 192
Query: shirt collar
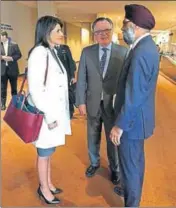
pixel 6 42
pixel 108 47
pixel 137 41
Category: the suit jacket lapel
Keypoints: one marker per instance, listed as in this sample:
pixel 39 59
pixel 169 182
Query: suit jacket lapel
pixel 127 62
pixel 2 49
pixel 114 54
pixel 9 49
pixel 110 60
pixel 95 58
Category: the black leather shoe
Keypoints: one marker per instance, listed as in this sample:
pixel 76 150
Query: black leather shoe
pixel 115 178
pixel 54 201
pixel 3 107
pixel 119 191
pixel 91 170
pixel 56 191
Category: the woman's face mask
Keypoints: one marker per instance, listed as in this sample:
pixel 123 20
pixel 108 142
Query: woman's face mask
pixel 129 35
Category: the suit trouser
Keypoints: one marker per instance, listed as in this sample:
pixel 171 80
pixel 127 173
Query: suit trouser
pixel 71 107
pixel 132 162
pixel 4 82
pixel 94 128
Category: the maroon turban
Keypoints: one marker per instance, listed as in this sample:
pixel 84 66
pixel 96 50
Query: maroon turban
pixel 140 16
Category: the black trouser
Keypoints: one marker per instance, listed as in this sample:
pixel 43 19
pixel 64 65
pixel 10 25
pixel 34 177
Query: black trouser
pixel 71 106
pixel 4 81
pixel 94 126
pixel 71 89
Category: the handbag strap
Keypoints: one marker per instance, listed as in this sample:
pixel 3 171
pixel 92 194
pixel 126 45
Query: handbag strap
pixel 57 59
pixel 25 75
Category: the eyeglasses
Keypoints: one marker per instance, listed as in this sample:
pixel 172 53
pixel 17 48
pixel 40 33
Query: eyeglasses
pixel 100 32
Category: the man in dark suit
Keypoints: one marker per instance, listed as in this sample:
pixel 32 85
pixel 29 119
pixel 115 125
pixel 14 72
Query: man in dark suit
pixel 64 53
pixel 10 54
pixel 135 111
pixel 98 73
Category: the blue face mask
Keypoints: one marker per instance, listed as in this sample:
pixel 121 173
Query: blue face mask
pixel 129 35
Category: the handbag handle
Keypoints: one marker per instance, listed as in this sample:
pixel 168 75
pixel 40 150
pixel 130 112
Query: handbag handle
pixel 25 75
pixel 56 58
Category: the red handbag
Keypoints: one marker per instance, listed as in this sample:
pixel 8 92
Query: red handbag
pixel 24 119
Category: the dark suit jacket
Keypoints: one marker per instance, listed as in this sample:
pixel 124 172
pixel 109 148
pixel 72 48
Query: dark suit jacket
pixel 91 84
pixel 66 58
pixel 15 53
pixel 135 99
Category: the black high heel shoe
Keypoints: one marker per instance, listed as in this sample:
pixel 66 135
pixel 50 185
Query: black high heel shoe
pixel 54 201
pixel 56 191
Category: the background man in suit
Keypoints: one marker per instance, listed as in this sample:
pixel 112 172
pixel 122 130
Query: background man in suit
pixel 135 111
pixel 98 73
pixel 64 53
pixel 10 54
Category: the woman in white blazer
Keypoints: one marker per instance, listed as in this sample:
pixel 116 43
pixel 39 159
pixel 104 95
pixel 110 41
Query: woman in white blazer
pixel 51 99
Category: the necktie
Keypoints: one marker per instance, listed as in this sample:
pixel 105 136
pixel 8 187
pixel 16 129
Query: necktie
pixel 103 60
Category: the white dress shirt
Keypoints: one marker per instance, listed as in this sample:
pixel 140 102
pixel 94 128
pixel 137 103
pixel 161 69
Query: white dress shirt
pixel 137 41
pixel 6 44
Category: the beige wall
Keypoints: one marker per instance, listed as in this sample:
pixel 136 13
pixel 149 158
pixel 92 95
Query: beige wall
pixel 86 38
pixel 23 20
pixel 173 38
pixel 73 40
pixel 46 8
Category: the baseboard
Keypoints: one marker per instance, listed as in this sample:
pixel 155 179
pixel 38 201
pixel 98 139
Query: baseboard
pixel 166 77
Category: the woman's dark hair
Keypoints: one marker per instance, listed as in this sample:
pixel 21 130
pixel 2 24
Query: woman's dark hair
pixel 43 29
pixel 100 19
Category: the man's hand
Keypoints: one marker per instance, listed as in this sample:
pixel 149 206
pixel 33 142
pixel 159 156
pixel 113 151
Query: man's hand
pixel 82 109
pixel 52 125
pixel 73 81
pixel 7 58
pixel 3 58
pixel 115 135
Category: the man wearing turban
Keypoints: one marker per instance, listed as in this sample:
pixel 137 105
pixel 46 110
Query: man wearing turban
pixel 135 101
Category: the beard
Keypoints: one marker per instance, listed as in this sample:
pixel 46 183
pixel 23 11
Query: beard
pixel 129 35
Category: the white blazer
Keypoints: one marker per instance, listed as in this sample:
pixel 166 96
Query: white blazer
pixel 52 99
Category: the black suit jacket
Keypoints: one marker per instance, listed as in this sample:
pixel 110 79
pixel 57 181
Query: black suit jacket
pixel 66 58
pixel 15 53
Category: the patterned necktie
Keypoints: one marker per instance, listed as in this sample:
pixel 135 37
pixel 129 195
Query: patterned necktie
pixel 103 60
